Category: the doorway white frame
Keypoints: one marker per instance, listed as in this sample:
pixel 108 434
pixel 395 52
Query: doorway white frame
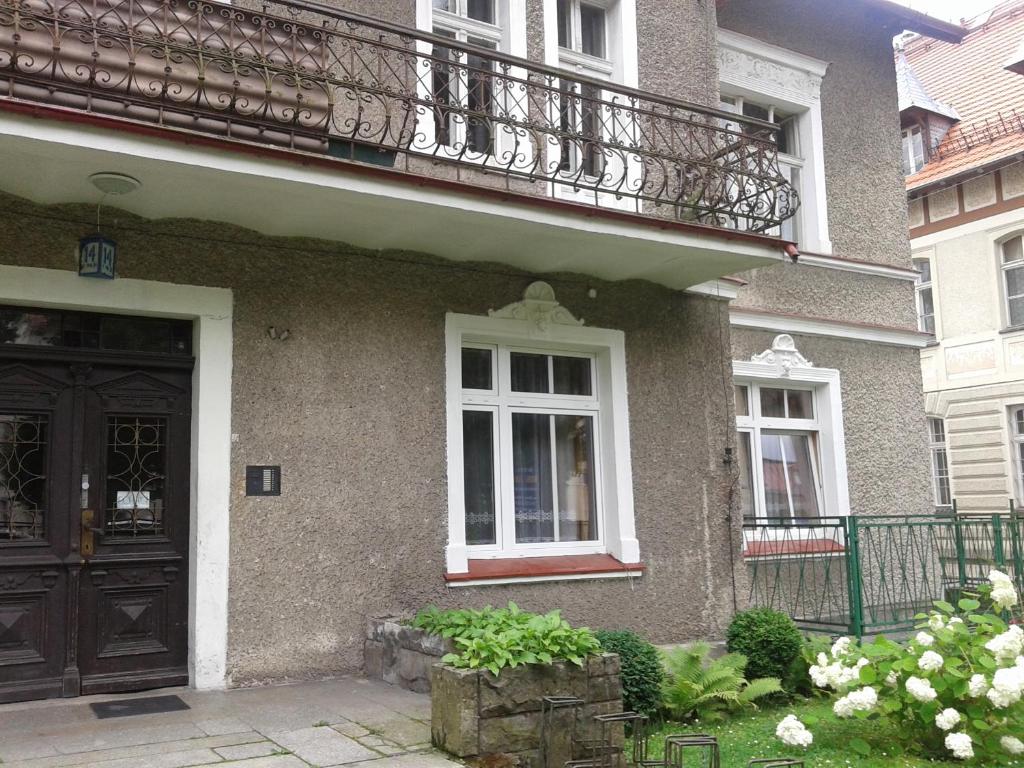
pixel 211 311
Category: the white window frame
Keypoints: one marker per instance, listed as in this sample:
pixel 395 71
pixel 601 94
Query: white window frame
pixel 909 150
pixel 824 383
pixel 1016 457
pixel 920 286
pixel 791 82
pixel 1004 268
pixel 609 406
pixel 509 36
pixel 934 447
pixel 620 65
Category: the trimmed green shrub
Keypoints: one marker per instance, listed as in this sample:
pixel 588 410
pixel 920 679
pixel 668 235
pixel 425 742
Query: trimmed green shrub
pixel 495 638
pixel 769 639
pixel 642 673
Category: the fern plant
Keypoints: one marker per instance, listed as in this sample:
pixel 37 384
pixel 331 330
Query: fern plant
pixel 698 687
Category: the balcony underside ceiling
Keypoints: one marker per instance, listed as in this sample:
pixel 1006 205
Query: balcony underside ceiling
pixel 49 161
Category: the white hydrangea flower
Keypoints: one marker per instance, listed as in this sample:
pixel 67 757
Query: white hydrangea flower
pixel 793 733
pixel 1008 645
pixel 892 679
pixel 947 719
pixel 822 660
pixel 935 622
pixel 863 700
pixel 960 745
pixel 977 685
pixel 930 661
pixel 1004 594
pixel 843 707
pixel 920 689
pixel 924 639
pixel 955 620
pixel 1007 687
pixel 841 646
pixel 1012 745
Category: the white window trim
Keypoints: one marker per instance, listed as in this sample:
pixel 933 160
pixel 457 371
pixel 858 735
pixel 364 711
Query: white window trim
pixel 621 66
pixel 792 81
pixel 1016 440
pixel 616 527
pixel 920 285
pixel 509 33
pixel 933 448
pixel 783 366
pixel 907 140
pixel 1004 286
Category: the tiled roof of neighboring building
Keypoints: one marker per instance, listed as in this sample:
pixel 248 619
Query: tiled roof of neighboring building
pixel 971 77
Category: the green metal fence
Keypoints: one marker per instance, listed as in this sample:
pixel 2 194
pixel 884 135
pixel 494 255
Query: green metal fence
pixel 864 575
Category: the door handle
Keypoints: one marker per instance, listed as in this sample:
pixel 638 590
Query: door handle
pixel 88 544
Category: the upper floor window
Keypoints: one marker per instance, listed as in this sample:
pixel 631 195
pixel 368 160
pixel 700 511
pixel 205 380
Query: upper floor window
pixel 913 150
pixel 925 298
pixel 478 10
pixel 1012 253
pixel 582 27
pixel 940 463
pixel 780 86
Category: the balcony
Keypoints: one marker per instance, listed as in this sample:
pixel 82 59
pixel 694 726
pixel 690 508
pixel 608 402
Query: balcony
pixel 388 109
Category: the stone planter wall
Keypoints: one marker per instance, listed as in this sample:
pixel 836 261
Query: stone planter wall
pixel 402 655
pixel 474 713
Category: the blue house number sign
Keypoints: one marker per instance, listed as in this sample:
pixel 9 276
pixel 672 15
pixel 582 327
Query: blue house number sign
pixel 97 257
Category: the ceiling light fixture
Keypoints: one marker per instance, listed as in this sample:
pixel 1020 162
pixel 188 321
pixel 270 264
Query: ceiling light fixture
pixel 110 183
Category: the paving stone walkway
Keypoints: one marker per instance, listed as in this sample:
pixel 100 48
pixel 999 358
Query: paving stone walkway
pixel 350 721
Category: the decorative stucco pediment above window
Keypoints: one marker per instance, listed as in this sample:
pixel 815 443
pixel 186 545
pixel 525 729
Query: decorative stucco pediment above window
pixel 784 355
pixel 785 85
pixel 539 307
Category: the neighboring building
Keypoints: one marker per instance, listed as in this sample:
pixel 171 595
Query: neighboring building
pixel 431 307
pixel 963 137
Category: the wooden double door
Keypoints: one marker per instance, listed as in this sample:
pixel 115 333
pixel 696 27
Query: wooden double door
pixel 94 520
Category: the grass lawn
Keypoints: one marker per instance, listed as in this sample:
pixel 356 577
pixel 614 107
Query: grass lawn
pixel 745 736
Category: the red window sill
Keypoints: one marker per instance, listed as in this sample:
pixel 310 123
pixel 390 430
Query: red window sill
pixel 803 547
pixel 549 568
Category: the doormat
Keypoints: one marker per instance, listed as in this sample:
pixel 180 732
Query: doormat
pixel 149 705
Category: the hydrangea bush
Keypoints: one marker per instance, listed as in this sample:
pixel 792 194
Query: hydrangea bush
pixel 955 689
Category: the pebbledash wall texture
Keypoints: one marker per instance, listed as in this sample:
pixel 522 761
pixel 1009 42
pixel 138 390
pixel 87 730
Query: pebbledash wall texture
pixel 352 407
pixel 886 436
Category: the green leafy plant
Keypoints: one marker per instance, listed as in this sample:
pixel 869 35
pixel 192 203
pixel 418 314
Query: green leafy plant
pixel 642 673
pixel 495 638
pixel 703 688
pixel 769 639
pixel 955 689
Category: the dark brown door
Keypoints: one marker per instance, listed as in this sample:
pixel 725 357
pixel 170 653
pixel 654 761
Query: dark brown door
pixel 94 516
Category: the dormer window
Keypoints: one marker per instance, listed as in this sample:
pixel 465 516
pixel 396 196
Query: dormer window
pixel 913 151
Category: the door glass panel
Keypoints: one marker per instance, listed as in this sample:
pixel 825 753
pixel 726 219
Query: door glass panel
pixel 577 496
pixel 789 483
pixel 23 462
pixel 572 375
pixel 34 327
pixel 481 10
pixel 136 475
pixel 531 469
pixel 529 372
pixel 592 30
pixel 478 468
pixel 87 330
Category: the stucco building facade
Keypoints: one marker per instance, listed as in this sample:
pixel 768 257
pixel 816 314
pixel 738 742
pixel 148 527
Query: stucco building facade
pixel 414 327
pixel 965 191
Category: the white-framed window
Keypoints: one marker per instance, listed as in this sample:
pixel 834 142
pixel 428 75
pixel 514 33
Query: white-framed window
pixel 940 463
pixel 538 445
pixel 913 150
pixel 787 139
pixel 791 445
pixel 925 296
pixel 469 96
pixel 786 86
pixel 1017 450
pixel 1012 262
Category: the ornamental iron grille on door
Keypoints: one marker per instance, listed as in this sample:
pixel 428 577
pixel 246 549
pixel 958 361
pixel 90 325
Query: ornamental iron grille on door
pixel 94 502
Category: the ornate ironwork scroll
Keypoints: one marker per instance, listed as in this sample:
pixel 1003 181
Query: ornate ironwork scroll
pixel 136 460
pixel 23 463
pixel 313 78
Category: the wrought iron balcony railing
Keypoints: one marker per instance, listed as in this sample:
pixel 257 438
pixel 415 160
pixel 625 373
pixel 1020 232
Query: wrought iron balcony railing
pixel 309 77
